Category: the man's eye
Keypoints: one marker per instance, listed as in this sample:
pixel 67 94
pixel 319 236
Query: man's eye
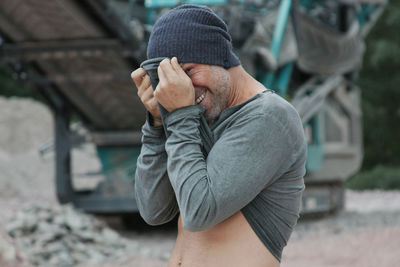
pixel 188 70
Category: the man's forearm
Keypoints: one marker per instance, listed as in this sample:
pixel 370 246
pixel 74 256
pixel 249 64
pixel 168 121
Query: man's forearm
pixel 154 194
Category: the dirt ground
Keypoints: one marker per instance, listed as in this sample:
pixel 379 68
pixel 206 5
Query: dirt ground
pixel 367 249
pixel 356 237
pixel 366 233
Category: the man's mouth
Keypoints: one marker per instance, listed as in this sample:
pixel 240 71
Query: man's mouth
pixel 200 98
pixel 200 94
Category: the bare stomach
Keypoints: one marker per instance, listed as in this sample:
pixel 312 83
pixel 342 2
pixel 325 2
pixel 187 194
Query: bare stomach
pixel 229 243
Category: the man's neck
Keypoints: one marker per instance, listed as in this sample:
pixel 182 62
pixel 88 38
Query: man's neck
pixel 242 86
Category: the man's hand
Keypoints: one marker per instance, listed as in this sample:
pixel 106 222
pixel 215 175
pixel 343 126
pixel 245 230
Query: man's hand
pixel 146 94
pixel 175 89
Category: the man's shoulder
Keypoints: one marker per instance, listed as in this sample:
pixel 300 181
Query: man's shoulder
pixel 270 110
pixel 263 111
pixel 269 104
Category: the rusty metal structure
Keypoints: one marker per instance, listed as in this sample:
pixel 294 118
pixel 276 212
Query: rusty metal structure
pixel 79 55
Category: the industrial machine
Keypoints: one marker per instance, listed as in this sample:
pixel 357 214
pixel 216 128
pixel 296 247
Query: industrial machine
pixel 79 55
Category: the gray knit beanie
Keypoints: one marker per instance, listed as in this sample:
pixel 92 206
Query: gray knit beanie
pixel 192 33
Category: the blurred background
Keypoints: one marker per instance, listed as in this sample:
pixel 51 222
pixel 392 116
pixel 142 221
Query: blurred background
pixel 70 126
pixel 380 105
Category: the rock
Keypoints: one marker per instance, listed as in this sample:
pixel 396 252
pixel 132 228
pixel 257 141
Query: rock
pixel 62 236
pixel 9 255
pixel 7 251
pixel 110 236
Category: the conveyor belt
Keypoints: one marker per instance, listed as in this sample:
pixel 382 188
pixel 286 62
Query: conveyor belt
pixel 79 55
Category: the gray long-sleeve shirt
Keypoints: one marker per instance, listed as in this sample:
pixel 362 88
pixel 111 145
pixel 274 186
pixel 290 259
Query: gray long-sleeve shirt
pixel 256 165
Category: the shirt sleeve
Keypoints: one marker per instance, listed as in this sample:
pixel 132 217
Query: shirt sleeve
pixel 154 195
pixel 246 157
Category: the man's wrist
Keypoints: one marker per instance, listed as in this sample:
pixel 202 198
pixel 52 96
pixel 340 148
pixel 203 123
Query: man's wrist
pixel 193 111
pixel 156 122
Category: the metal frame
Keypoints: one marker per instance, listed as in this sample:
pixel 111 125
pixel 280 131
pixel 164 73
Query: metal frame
pixel 64 49
pixel 64 190
pixel 279 81
pixel 90 201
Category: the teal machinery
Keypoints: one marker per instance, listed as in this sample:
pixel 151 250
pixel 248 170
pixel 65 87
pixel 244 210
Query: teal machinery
pixel 319 96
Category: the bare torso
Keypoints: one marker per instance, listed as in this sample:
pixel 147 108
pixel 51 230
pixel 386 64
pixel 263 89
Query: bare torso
pixel 229 243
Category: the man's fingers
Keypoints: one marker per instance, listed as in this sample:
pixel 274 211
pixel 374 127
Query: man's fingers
pixel 137 76
pixel 147 97
pixel 176 66
pixel 145 85
pixel 141 80
pixel 147 94
pixel 166 67
pixel 153 102
pixel 155 92
pixel 162 76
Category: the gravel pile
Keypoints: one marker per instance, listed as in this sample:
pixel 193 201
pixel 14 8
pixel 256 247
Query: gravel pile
pixel 9 254
pixel 62 236
pixel 24 125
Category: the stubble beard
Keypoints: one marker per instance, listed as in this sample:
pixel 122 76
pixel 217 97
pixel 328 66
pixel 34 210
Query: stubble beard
pixel 219 97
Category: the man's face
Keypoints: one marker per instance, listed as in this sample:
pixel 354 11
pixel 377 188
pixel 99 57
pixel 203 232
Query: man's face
pixel 211 85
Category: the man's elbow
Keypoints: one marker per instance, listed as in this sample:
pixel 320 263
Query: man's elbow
pixel 193 224
pixel 150 220
pixel 155 220
pixel 158 218
pixel 199 218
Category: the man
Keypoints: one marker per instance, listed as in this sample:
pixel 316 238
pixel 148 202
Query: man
pixel 239 205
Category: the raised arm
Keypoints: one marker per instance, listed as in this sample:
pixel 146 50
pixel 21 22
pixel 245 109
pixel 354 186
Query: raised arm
pixel 252 152
pixel 154 195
